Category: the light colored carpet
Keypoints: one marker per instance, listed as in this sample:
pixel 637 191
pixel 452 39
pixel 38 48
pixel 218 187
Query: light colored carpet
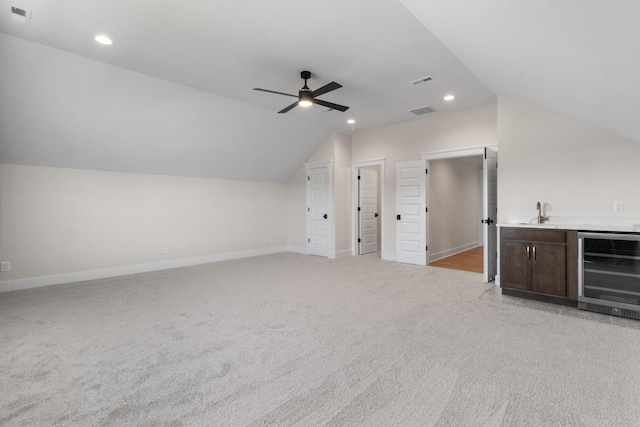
pixel 289 339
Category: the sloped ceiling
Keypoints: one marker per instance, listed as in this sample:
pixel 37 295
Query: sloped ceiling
pixel 173 94
pixel 573 57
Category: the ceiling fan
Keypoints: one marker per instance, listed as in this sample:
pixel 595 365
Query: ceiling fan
pixel 307 97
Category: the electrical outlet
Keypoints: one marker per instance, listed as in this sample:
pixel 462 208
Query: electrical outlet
pixel 166 250
pixel 5 266
pixel 618 206
pixel 183 248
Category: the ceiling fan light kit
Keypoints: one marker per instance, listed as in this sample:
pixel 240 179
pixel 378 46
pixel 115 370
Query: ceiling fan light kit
pixel 307 97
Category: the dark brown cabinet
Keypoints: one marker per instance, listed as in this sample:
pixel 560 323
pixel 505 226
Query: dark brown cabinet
pixel 539 264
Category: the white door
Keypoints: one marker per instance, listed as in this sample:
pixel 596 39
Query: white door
pixel 411 223
pixel 318 209
pixel 490 213
pixel 367 210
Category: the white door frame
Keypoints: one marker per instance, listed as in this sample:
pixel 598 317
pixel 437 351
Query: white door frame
pixel 330 219
pixel 451 154
pixel 354 202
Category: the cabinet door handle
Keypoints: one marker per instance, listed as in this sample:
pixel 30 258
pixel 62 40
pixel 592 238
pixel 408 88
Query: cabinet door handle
pixel 534 253
pixel 528 253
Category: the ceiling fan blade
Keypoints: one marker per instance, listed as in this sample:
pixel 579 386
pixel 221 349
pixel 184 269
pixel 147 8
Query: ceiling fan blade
pixel 331 105
pixel 290 107
pixel 326 88
pixel 273 91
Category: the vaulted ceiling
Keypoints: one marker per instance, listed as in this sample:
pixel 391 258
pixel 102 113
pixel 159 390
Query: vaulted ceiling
pixel 173 93
pixel 577 58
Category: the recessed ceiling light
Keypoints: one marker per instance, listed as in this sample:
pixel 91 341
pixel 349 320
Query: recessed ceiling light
pixel 351 121
pixel 103 40
pixel 449 98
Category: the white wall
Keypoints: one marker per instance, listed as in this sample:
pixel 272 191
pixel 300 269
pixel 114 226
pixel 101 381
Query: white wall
pixel 296 212
pixel 454 205
pixel 63 110
pixel 342 194
pixel 466 129
pixel 574 168
pixel 56 221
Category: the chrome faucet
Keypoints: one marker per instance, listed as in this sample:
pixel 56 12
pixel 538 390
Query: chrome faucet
pixel 541 218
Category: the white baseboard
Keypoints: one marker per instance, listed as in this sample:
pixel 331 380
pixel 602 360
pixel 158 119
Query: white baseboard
pixel 298 250
pixel 37 282
pixel 449 252
pixel 388 256
pixel 341 254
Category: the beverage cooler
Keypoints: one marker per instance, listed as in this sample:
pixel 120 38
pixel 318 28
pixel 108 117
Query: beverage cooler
pixel 609 273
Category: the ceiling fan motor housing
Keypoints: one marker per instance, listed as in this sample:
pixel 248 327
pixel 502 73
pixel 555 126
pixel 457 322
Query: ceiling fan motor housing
pixel 305 94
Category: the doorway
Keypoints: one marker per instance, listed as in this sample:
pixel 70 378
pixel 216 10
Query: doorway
pixel 368 210
pixel 367 221
pixel 487 220
pixel 455 210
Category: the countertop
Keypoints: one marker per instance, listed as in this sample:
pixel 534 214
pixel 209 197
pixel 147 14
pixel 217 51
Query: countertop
pixel 614 224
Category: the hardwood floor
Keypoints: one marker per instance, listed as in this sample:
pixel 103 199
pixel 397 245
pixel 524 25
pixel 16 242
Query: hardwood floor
pixel 470 260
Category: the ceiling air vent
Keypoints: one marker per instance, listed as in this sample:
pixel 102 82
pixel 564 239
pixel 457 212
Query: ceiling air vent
pixel 423 110
pixel 422 80
pixel 21 15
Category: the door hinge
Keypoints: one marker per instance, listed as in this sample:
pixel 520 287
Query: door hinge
pixel 358 176
pixel 427 248
pixel 359 240
pixel 358 208
pixel 426 171
pixel 426 209
pixel 308 178
pixel 308 240
pixel 485 153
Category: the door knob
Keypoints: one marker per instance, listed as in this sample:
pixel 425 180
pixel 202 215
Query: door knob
pixel 324 216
